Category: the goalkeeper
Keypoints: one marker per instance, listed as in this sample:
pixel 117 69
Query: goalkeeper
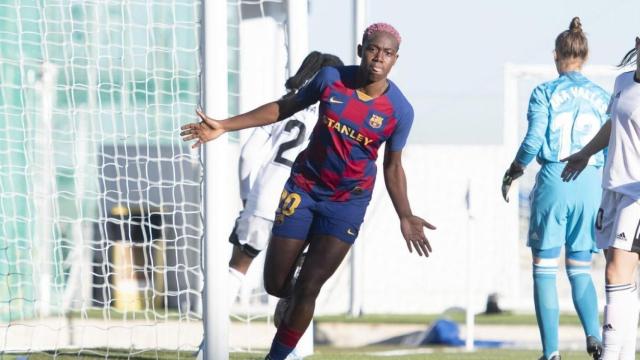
pixel 563 115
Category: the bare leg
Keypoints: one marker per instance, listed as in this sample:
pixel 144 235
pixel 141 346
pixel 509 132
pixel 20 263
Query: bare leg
pixel 239 260
pixel 280 263
pixel 324 256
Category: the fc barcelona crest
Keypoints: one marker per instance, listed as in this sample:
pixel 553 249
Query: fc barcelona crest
pixel 375 121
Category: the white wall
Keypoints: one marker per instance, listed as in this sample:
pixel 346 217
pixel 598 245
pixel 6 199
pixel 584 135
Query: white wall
pixel 396 281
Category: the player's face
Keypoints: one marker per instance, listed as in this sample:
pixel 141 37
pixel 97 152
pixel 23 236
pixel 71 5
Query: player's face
pixel 379 54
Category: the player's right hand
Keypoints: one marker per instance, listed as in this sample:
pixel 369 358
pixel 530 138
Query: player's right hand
pixel 575 164
pixel 205 130
pixel 513 172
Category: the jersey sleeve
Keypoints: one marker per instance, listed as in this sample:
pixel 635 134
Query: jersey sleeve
pixel 310 93
pixel 615 91
pixel 398 139
pixel 538 119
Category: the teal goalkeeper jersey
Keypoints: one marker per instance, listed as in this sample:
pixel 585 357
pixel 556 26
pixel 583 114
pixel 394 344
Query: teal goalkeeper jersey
pixel 563 115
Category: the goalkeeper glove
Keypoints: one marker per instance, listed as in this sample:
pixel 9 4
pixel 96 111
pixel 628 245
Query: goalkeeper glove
pixel 513 172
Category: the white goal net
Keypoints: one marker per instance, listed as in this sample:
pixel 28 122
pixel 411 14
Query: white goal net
pixel 100 200
pixel 100 206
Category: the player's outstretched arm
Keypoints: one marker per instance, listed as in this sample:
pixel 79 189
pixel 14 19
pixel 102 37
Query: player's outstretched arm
pixel 412 226
pixel 208 128
pixel 578 161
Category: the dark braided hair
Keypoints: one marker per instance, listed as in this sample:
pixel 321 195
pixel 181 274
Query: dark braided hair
pixel 629 58
pixel 310 66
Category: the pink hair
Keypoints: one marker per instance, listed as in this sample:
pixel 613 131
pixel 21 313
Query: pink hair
pixel 384 27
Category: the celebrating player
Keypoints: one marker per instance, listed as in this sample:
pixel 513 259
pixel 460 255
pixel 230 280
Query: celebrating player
pixel 564 114
pixel 283 141
pixel 325 199
pixel 618 221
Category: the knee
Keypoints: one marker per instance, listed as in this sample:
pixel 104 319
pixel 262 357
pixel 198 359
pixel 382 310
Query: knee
pixel 614 275
pixel 275 288
pixel 545 262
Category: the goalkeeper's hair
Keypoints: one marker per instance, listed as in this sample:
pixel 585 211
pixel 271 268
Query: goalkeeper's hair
pixel 310 66
pixel 572 43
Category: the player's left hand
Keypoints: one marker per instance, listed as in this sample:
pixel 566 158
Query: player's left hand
pixel 412 228
pixel 513 172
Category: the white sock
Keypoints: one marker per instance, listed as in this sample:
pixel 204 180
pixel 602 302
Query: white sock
pixel 628 351
pixel 621 301
pixel 234 283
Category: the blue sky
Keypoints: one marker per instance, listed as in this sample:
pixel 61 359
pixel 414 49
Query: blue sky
pixel 453 52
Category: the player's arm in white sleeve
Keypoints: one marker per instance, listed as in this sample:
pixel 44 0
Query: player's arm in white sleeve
pixel 251 158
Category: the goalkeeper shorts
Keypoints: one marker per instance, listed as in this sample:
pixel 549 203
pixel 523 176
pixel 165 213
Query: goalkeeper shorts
pixel 564 213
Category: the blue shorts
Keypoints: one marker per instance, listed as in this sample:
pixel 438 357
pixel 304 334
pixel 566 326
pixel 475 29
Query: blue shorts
pixel 564 213
pixel 300 215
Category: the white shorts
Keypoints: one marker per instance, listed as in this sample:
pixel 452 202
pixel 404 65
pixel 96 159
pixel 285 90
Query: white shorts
pixel 618 222
pixel 251 233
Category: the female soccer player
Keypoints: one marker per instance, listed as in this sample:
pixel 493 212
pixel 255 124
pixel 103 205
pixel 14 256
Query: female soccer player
pixel 282 141
pixel 325 199
pixel 618 222
pixel 564 114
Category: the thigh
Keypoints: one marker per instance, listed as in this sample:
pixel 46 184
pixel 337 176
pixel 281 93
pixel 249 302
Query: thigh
pixel 581 231
pixel 258 233
pixel 323 257
pixel 295 213
pixel 605 219
pixel 547 224
pixel 280 263
pixel 621 265
pixel 626 227
pixel 578 258
pixel 546 257
pixel 251 234
pixel 340 219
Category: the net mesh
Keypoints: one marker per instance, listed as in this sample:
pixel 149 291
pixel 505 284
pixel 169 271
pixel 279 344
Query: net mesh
pixel 100 201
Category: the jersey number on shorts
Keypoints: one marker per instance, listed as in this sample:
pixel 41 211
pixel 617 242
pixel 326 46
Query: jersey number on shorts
pixel 599 219
pixel 288 145
pixel 289 202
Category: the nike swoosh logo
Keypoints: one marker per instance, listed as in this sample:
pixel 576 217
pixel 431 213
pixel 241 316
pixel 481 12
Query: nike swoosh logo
pixel 333 100
pixel 350 232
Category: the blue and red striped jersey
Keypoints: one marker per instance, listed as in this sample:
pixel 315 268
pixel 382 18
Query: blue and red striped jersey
pixel 339 163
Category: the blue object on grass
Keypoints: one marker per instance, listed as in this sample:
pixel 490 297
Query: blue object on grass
pixel 447 333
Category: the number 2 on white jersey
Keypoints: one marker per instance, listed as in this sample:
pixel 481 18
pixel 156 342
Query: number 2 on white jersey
pixel 287 145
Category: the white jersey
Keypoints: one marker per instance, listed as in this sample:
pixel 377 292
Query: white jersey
pixel 622 168
pixel 288 138
pixel 252 157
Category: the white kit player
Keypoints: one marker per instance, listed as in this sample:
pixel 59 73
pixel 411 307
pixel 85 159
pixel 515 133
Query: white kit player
pixel 277 145
pixel 618 221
